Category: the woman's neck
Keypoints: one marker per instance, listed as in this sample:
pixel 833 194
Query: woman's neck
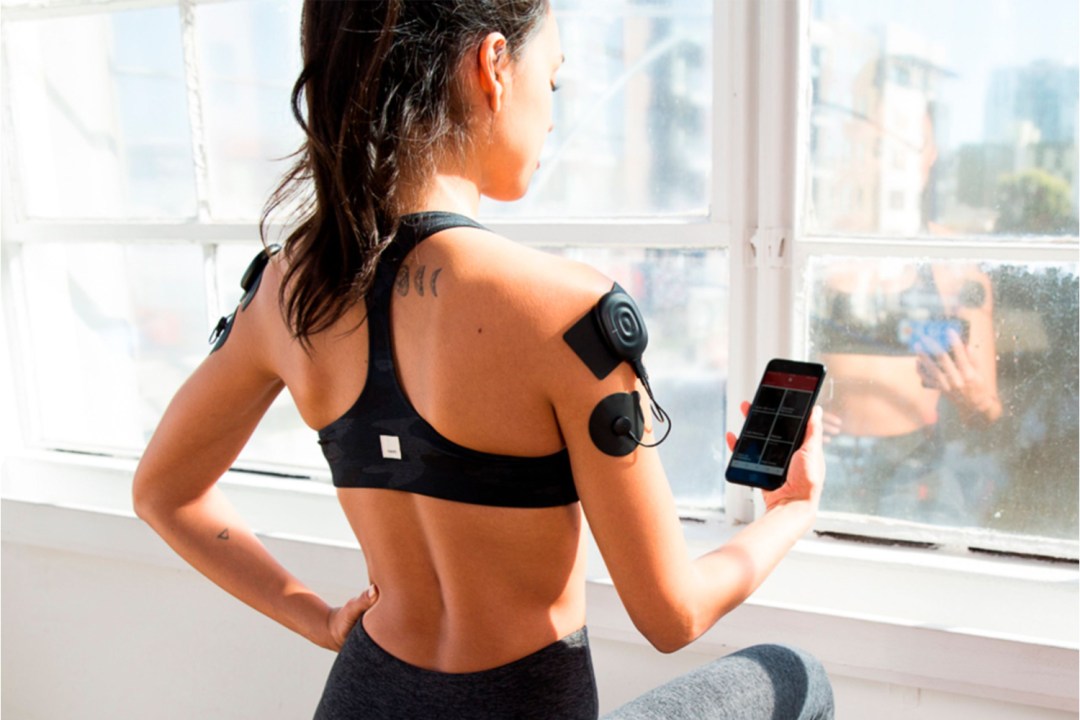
pixel 449 192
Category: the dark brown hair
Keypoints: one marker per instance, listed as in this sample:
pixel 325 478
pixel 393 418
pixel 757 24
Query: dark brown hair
pixel 379 102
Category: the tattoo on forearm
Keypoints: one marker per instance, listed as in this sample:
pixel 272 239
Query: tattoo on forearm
pixel 224 534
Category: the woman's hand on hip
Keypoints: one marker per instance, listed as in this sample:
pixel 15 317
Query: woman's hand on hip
pixel 340 620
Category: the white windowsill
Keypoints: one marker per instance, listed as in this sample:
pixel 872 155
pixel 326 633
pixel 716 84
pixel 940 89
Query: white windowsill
pixel 998 628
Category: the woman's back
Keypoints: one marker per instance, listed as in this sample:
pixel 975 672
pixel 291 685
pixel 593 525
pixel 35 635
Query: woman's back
pixel 463 586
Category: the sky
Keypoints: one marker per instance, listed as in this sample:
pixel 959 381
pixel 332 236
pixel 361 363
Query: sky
pixel 978 36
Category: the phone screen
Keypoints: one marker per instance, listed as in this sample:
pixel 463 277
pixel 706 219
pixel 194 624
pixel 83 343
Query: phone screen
pixel 776 423
pixel 933 334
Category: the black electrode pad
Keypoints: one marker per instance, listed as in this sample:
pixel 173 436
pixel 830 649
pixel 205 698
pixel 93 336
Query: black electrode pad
pixel 221 331
pixel 253 275
pixel 616 424
pixel 612 332
pixel 249 283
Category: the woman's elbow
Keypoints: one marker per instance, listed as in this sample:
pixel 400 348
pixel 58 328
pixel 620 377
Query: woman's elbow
pixel 672 633
pixel 669 643
pixel 145 500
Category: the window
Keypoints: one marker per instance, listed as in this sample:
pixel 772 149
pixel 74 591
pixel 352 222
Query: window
pixel 145 138
pixel 982 100
pixel 926 192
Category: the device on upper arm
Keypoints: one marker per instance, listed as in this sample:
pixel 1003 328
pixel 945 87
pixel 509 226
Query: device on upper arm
pixel 249 283
pixel 776 423
pixel 611 333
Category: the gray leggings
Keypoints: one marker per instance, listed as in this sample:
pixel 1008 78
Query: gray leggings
pixel 765 682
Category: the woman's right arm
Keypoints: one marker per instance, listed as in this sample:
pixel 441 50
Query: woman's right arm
pixel 671 598
pixel 175 492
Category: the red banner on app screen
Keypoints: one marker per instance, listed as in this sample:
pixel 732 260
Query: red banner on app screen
pixel 790 381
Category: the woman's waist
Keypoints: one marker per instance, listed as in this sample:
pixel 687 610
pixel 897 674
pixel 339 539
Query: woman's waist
pixel 454 635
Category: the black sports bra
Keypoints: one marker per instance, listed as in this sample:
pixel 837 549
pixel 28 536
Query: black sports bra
pixel 382 442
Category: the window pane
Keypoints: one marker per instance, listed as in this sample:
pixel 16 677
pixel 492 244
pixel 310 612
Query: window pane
pixel 998 450
pixel 943 117
pixel 100 116
pixel 632 114
pixel 114 331
pixel 683 295
pixel 249 57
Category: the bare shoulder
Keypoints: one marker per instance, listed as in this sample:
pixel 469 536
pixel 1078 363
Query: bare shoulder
pixel 260 332
pixel 539 289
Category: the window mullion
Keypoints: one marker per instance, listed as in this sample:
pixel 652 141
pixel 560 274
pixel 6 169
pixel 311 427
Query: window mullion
pixel 195 108
pixel 765 77
pixel 778 68
pixel 1020 251
pixel 738 38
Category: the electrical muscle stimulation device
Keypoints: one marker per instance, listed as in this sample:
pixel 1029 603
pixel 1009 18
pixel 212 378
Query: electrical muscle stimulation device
pixel 249 283
pixel 611 333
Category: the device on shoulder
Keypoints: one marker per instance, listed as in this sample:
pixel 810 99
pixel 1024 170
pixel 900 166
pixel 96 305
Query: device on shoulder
pixel 776 423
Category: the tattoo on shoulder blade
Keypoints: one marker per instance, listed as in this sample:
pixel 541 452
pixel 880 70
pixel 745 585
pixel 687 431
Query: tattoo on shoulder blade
pixel 434 278
pixel 420 280
pixel 224 534
pixel 402 283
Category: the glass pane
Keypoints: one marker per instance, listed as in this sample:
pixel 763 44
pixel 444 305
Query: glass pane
pixel 100 116
pixel 281 438
pixel 683 295
pixel 114 331
pixel 943 118
pixel 249 57
pixel 633 113
pixel 952 392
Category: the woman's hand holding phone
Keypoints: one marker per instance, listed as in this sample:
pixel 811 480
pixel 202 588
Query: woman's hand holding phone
pixel 806 474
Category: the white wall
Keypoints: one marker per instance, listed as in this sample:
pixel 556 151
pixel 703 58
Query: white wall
pixel 100 621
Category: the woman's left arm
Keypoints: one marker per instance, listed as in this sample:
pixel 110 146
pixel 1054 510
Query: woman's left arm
pixel 175 492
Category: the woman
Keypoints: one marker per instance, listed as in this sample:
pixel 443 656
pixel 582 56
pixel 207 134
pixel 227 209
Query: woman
pixel 453 414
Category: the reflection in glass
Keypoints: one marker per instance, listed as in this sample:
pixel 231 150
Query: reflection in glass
pixel 100 116
pixel 935 118
pixel 683 295
pixel 113 332
pixel 632 132
pixel 952 394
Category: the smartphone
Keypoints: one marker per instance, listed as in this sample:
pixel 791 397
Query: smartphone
pixel 776 423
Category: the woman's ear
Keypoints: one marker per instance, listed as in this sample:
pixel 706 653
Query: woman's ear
pixel 493 61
